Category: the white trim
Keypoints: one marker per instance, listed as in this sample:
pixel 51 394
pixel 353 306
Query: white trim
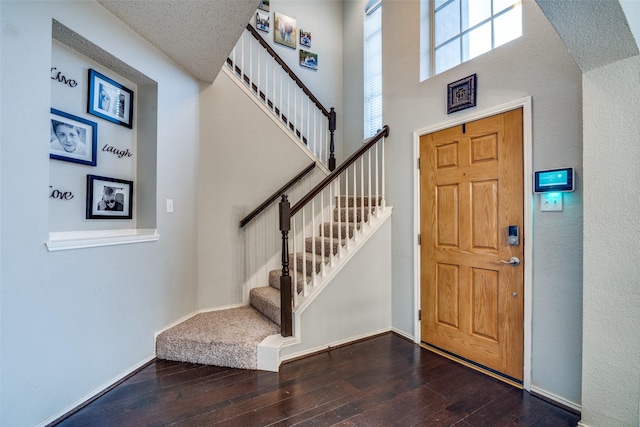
pixel 527 142
pixel 66 240
pixel 334 344
pixel 404 334
pixel 95 392
pixel 558 399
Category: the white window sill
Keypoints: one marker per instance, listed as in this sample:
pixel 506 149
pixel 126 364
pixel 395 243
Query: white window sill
pixel 65 240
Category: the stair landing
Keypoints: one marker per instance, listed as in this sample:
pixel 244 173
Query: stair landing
pixel 223 338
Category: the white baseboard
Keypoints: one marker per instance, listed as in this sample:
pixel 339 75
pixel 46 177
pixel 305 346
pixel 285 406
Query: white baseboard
pixel 333 344
pixel 558 399
pixel 581 424
pixel 96 392
pixel 405 335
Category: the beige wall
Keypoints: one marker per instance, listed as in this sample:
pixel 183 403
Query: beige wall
pixel 536 65
pixel 611 347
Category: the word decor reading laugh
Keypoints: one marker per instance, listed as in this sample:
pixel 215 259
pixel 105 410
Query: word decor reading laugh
pixel 120 153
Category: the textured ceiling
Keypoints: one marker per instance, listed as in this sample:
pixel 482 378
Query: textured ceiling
pixel 596 32
pixel 197 34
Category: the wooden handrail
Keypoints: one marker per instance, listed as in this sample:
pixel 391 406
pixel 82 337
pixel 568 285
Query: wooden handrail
pixel 246 220
pixel 279 60
pixel 384 132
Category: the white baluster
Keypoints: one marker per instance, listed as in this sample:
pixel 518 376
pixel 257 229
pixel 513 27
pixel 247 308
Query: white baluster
pixel 304 253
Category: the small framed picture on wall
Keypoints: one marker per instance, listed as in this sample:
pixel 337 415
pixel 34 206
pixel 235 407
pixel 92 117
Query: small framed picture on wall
pixel 110 100
pixel 72 138
pixel 109 198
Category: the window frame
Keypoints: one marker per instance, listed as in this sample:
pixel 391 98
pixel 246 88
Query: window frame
pixel 372 102
pixel 461 33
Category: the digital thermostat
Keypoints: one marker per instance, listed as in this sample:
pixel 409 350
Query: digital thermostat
pixel 554 180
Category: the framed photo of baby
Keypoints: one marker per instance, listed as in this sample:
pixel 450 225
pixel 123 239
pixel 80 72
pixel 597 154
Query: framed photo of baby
pixel 109 198
pixel 72 138
pixel 110 100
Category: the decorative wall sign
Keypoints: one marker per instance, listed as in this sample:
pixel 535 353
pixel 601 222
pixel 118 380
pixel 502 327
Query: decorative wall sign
pixel 285 30
pixel 461 94
pixel 72 138
pixel 305 38
pixel 109 198
pixel 110 100
pixel 57 75
pixel 262 21
pixel 308 59
pixel 61 195
pixel 120 153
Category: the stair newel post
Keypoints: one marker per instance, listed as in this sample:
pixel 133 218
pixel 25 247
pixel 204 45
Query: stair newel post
pixel 286 290
pixel 332 148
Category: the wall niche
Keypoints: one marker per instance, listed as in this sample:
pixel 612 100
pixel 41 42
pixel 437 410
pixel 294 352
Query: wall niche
pixel 103 131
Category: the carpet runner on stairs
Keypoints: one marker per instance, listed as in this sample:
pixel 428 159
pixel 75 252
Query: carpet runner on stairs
pixel 231 337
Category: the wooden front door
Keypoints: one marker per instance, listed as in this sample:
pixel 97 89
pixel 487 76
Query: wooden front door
pixel 471 191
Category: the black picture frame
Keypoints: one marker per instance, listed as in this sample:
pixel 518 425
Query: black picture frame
pixel 72 138
pixel 461 94
pixel 109 100
pixel 118 191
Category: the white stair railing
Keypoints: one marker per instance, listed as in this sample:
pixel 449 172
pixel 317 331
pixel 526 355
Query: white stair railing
pixel 357 191
pixel 254 62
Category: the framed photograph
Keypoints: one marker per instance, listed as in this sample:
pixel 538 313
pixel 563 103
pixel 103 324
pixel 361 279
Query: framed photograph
pixel 264 5
pixel 305 38
pixel 72 138
pixel 461 94
pixel 308 59
pixel 285 30
pixel 109 198
pixel 262 21
pixel 110 100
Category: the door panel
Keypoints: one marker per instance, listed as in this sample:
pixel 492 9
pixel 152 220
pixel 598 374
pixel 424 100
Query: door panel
pixel 470 192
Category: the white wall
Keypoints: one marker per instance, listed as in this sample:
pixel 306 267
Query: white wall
pixel 74 320
pixel 536 65
pixel 611 347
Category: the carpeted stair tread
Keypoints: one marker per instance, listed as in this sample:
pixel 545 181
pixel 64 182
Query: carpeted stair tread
pixel 326 227
pixel 308 257
pixel 323 242
pixel 266 300
pixel 352 213
pixel 223 338
pixel 357 201
pixel 274 279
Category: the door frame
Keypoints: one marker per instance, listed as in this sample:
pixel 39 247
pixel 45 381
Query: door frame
pixel 527 141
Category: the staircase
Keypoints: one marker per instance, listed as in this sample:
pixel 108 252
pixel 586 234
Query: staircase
pixel 231 337
pixel 324 228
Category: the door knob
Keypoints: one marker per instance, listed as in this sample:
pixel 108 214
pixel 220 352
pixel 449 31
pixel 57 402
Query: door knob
pixel 514 261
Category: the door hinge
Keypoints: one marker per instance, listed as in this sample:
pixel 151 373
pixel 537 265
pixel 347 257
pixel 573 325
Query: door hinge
pixel 419 239
pixel 418 162
pixel 419 314
pixel 464 128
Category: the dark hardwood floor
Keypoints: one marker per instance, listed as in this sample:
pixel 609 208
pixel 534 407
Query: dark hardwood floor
pixel 382 381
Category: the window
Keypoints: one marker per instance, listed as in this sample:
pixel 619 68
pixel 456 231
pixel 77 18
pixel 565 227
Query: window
pixel 373 68
pixel 464 29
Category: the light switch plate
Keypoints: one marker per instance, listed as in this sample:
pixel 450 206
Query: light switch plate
pixel 550 202
pixel 169 205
